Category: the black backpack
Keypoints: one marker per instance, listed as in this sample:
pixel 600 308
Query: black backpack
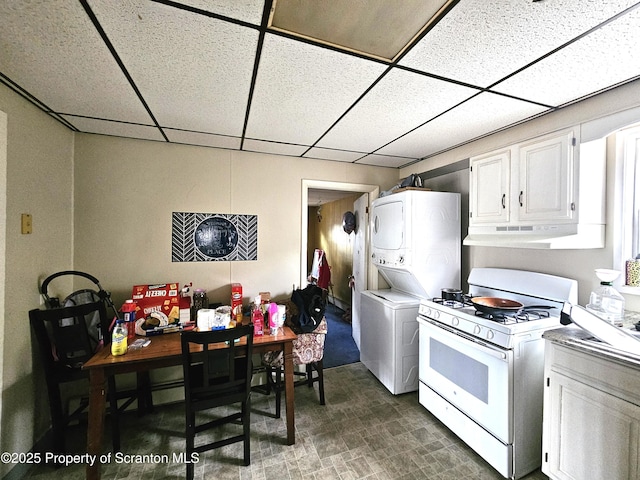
pixel 310 304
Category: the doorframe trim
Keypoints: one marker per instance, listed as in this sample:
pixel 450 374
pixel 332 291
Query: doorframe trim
pixel 372 190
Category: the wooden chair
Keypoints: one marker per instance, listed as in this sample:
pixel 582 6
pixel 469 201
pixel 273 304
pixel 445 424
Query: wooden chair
pixel 217 372
pixel 308 350
pixel 65 344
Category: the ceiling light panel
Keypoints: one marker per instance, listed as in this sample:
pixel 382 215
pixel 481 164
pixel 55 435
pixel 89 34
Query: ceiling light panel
pixel 246 10
pixel 377 28
pixel 117 129
pixel 51 49
pixel 202 139
pixel 482 41
pixel 608 56
pixel 400 102
pixel 301 90
pixel 194 78
pixel 482 114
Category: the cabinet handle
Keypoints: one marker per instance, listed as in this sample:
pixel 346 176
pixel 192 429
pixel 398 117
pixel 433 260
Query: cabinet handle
pixel 504 196
pixel 520 197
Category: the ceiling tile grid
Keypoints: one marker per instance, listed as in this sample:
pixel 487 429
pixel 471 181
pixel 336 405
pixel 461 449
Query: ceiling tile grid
pixel 195 78
pixel 301 90
pixel 483 113
pixel 400 102
pixel 52 51
pixel 212 72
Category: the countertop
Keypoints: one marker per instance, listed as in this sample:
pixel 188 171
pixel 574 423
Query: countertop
pixel 576 337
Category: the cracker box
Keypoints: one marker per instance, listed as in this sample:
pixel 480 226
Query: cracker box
pixel 161 297
pixel 236 301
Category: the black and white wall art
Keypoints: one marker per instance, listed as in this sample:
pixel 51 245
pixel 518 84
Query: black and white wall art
pixel 207 237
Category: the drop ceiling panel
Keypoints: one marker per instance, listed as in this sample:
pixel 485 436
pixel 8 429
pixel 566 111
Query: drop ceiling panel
pixel 329 154
pixel 118 129
pixel 378 28
pixel 245 10
pixel 584 67
pixel 401 101
pixel 274 147
pixel 194 78
pixel 51 49
pixel 482 41
pixel 203 139
pixel 384 161
pixel 482 114
pixel 301 90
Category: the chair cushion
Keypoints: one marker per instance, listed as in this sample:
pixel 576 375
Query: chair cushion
pixel 307 348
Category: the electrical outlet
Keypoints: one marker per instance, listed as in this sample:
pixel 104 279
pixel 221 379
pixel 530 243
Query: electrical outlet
pixel 27 224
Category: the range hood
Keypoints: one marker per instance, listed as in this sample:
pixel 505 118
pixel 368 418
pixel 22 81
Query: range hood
pixel 573 236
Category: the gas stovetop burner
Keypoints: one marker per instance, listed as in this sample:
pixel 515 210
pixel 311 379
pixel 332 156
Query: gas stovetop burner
pixel 523 316
pixel 465 302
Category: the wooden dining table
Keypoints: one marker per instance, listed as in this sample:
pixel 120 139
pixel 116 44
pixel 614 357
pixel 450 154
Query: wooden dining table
pixel 166 351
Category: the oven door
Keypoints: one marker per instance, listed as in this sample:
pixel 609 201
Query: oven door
pixel 473 376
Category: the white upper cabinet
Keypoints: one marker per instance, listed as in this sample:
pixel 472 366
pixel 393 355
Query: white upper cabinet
pixel 547 192
pixel 489 189
pixel 546 179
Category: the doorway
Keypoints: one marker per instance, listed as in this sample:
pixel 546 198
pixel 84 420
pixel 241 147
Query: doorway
pixel 327 189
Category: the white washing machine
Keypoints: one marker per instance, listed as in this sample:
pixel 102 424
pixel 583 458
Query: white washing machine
pixel 389 338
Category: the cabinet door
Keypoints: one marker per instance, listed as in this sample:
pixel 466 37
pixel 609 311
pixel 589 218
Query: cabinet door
pixel 589 434
pixel 546 179
pixel 489 188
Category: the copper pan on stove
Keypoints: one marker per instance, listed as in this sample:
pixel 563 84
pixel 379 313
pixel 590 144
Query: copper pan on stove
pixel 496 305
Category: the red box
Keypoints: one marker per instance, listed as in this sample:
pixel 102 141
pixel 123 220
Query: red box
pixel 236 301
pixel 161 297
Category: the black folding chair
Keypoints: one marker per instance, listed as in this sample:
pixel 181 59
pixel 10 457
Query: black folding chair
pixel 65 344
pixel 217 372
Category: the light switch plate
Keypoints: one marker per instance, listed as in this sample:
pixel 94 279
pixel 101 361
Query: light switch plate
pixel 26 223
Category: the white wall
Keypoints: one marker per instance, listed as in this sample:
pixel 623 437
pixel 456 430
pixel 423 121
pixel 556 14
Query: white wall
pixel 127 189
pixel 578 264
pixel 39 157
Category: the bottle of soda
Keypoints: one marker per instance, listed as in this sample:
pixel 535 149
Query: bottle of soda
pixel 257 318
pixel 119 338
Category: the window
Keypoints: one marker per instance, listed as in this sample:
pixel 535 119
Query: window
pixel 628 152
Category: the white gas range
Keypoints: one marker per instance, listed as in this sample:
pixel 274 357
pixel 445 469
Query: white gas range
pixel 482 376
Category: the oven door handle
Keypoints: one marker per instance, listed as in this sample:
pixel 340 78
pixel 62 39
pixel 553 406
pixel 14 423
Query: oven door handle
pixel 488 349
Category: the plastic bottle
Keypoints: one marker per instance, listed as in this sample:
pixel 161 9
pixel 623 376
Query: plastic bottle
pixel 119 338
pixel 129 315
pixel 257 318
pixel 273 319
pixel 606 302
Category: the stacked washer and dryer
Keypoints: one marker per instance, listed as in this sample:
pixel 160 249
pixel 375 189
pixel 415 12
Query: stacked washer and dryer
pixel 416 246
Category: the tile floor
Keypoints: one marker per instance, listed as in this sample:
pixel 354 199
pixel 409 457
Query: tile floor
pixel 363 432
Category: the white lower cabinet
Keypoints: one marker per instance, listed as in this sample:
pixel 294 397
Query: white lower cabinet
pixel 591 426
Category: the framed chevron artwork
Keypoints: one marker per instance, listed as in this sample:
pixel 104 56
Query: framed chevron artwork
pixel 213 237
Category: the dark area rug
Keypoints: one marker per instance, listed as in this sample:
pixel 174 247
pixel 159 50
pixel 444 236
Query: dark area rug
pixel 339 347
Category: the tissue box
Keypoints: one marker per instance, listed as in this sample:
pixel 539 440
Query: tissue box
pixel 162 297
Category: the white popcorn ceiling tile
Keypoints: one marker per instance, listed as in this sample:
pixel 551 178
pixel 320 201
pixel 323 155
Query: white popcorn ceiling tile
pixel 274 147
pixel 117 129
pixel 482 114
pixel 584 67
pixel 399 102
pixel 482 41
pixel 329 154
pixel 202 139
pixel 194 78
pixel 52 50
pixel 302 90
pixel 246 10
pixel 385 161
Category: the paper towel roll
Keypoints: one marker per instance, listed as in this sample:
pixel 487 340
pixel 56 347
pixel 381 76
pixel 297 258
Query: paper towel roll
pixel 205 319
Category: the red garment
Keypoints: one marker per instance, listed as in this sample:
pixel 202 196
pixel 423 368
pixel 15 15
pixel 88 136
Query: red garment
pixel 324 278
